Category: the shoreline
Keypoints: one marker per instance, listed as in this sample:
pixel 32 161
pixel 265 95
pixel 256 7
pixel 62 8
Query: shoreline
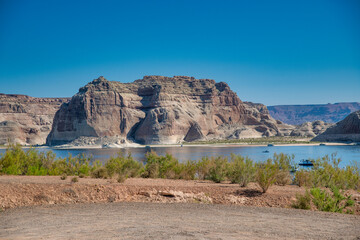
pixel 216 145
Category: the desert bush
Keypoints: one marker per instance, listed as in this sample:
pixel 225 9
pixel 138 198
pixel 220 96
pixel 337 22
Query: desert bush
pixel 327 173
pixel 63 177
pixel 74 179
pixel 16 161
pixel 186 170
pixel 266 174
pixel 302 201
pixel 160 166
pixel 282 178
pixel 303 178
pixel 122 165
pixel 283 163
pixel 335 202
pixel 218 169
pixel 241 170
pixel 203 168
pixel 121 178
pixel 100 172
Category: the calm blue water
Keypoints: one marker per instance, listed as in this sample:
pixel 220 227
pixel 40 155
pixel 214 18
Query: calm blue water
pixel 346 153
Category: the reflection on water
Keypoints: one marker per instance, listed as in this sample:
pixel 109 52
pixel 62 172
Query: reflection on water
pixel 346 153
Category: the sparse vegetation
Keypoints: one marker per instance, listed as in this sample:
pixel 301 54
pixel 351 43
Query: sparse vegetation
pixel 74 179
pixel 326 172
pixel 100 172
pixel 335 202
pixel 266 174
pixel 241 170
pixel 329 200
pixel 302 178
pixel 302 201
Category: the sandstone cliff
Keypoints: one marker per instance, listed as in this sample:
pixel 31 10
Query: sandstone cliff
pixel 299 114
pixel 157 109
pixel 344 131
pixel 26 120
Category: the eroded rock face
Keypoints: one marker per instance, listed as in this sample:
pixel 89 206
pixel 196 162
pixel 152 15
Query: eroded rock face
pixel 299 114
pixel 344 131
pixel 310 129
pixel 157 110
pixel 27 120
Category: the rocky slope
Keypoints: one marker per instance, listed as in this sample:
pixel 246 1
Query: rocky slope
pixel 156 110
pixel 299 114
pixel 344 131
pixel 26 120
pixel 310 129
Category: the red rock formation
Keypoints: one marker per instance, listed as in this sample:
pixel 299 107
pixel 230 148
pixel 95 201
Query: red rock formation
pixel 159 109
pixel 26 120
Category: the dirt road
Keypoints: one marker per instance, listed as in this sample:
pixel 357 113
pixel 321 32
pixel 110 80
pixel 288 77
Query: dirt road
pixel 173 221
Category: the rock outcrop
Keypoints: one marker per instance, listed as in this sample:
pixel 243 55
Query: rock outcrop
pixel 299 114
pixel 310 129
pixel 347 130
pixel 26 120
pixel 157 110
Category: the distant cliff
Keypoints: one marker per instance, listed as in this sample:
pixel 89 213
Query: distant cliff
pixel 157 109
pixel 344 131
pixel 298 114
pixel 26 120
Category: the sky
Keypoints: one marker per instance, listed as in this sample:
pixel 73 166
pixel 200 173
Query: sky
pixel 271 52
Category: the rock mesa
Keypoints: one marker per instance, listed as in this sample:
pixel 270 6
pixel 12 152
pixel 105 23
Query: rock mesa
pixel 158 110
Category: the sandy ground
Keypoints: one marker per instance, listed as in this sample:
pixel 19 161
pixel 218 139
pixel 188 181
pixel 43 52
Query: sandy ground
pixel 19 191
pixel 173 221
pixel 46 207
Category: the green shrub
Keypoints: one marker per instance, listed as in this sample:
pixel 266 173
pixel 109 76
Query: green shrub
pixel 203 168
pixel 327 173
pixel 335 202
pixel 121 178
pixel 241 170
pixel 302 201
pixel 282 178
pixel 122 165
pixel 266 174
pixel 303 178
pixel 186 170
pixel 283 163
pixel 218 169
pixel 160 166
pixel 74 179
pixel 100 172
pixel 16 161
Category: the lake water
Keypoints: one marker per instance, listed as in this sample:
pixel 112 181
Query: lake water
pixel 347 153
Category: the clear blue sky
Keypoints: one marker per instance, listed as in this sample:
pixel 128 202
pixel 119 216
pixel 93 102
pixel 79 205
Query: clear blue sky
pixel 272 52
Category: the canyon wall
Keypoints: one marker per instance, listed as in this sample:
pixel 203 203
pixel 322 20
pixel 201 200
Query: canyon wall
pixel 27 120
pixel 299 114
pixel 161 110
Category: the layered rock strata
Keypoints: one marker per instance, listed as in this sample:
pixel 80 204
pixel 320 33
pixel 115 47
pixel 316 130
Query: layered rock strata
pixel 347 130
pixel 161 110
pixel 27 120
pixel 299 114
pixel 310 129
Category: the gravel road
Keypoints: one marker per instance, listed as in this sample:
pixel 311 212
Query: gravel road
pixel 173 221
